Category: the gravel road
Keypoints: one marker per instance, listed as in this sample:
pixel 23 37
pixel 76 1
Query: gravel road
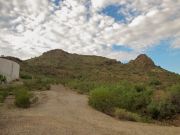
pixel 61 111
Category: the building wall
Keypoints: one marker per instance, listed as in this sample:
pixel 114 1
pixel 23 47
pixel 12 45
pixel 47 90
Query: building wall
pixel 9 69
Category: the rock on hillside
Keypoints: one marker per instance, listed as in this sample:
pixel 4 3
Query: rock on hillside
pixel 143 61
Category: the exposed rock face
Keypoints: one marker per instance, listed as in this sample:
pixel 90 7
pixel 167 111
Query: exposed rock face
pixel 143 61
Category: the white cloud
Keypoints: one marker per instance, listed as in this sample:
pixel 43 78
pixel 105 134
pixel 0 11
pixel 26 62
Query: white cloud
pixel 176 43
pixel 31 27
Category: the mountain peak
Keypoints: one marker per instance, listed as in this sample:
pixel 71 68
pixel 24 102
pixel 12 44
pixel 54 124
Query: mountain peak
pixel 143 61
pixel 144 57
pixel 56 52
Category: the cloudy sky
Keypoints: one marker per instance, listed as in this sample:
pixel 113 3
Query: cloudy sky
pixel 118 29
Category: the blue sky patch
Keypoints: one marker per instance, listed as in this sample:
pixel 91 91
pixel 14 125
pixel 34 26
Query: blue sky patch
pixel 165 56
pixel 121 48
pixel 57 2
pixel 113 11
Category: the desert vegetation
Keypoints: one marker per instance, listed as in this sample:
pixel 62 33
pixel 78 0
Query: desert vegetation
pixel 24 92
pixel 137 91
pixel 2 79
pixel 135 100
pixel 22 98
pixel 123 114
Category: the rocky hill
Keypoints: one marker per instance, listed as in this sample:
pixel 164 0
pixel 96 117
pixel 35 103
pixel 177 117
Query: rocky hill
pixel 143 62
pixel 61 64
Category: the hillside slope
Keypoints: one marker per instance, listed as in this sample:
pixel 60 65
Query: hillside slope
pixel 99 69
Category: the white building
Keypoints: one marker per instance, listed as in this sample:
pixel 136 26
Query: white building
pixel 9 69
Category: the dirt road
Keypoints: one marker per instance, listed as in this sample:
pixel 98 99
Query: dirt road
pixel 64 112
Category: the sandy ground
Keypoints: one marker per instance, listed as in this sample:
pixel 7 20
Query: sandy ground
pixel 61 111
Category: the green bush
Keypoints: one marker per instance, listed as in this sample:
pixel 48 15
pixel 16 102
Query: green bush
pixel 4 92
pixel 25 76
pixel 154 82
pixel 22 98
pixel 136 99
pixel 103 100
pixel 124 96
pixel 132 99
pixel 175 96
pixel 20 91
pixel 10 89
pixel 125 115
pixel 1 99
pixel 2 79
pixel 3 95
pixel 161 109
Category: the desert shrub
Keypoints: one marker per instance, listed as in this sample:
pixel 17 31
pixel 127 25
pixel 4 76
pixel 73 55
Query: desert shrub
pixel 154 82
pixel 2 79
pixel 5 90
pixel 132 98
pixel 82 86
pixel 163 109
pixel 3 95
pixel 22 98
pixel 11 88
pixel 140 87
pixel 174 95
pixel 124 96
pixel 20 92
pixel 125 115
pixel 25 76
pixel 1 99
pixel 103 100
pixel 37 84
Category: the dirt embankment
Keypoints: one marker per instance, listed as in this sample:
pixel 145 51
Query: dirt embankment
pixel 64 112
